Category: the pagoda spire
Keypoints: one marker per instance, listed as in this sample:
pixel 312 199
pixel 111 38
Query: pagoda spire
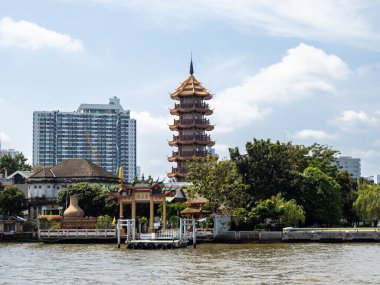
pixel 191 65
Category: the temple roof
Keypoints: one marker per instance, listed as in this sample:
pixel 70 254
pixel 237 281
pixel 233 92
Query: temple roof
pixel 73 168
pixel 191 87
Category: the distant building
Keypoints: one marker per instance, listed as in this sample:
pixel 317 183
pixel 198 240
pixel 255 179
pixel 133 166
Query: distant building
pixel 44 185
pixel 370 179
pixel 351 165
pixel 102 133
pixel 19 179
pixel 211 151
pixel 10 152
pixel 138 172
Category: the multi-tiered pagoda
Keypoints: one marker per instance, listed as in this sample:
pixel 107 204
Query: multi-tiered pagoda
pixel 191 125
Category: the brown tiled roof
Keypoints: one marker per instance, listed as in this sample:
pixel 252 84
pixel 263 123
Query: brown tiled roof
pixel 43 173
pixel 80 168
pixel 191 87
pixel 195 211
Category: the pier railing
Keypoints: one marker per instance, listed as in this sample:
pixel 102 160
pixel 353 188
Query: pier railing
pixel 77 233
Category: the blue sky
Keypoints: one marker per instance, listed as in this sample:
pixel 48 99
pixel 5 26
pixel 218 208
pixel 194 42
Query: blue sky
pixel 301 71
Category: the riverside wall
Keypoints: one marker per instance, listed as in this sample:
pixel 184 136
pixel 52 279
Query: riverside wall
pixel 249 236
pixel 332 235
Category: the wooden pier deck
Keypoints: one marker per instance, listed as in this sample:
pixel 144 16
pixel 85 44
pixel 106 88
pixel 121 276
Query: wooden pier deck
pixel 156 244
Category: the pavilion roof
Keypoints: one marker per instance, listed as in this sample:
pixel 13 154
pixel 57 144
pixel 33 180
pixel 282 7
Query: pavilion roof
pixel 195 211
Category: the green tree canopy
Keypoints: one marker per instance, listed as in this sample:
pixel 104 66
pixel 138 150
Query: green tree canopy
pixel 273 167
pixel 283 213
pixel 320 197
pixel 217 181
pixel 348 190
pixel 367 205
pixel 13 164
pixel 266 168
pixel 12 201
pixel 93 199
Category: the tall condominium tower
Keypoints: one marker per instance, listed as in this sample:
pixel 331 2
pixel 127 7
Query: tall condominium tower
pixel 191 125
pixel 102 133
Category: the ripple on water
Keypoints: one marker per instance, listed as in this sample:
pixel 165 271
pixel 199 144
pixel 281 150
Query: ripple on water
pixel 208 264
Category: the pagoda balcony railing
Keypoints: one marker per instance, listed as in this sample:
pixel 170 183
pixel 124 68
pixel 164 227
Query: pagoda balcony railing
pixel 179 170
pixel 191 105
pixel 189 153
pixel 192 137
pixel 192 121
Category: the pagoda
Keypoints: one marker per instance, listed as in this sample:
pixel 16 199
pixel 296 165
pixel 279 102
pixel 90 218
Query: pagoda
pixel 191 125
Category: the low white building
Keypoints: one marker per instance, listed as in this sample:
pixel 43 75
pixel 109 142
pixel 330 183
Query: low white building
pixel 44 185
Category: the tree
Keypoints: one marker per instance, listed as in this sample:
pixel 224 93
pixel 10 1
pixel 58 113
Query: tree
pixel 367 205
pixel 12 201
pixel 349 194
pixel 273 167
pixel 93 199
pixel 320 198
pixel 12 164
pixel 324 158
pixel 278 210
pixel 217 181
pixel 267 168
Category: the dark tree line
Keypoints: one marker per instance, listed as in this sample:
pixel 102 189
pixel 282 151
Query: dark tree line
pixel 308 175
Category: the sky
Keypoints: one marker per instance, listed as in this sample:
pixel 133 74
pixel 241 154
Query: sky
pixel 293 70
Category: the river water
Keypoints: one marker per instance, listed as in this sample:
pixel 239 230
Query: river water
pixel 312 263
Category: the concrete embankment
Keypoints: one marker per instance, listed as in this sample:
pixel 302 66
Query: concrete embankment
pixel 249 236
pixel 19 237
pixel 331 235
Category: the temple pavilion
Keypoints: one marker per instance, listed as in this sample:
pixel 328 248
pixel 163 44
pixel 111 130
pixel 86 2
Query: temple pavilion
pixel 191 125
pixel 144 191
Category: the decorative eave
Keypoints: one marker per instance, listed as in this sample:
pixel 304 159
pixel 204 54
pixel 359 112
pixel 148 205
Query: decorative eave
pixel 191 87
pixel 179 126
pixel 124 194
pixel 191 142
pixel 172 175
pixel 182 111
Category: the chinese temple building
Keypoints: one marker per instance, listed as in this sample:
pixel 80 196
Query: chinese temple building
pixel 144 192
pixel 191 125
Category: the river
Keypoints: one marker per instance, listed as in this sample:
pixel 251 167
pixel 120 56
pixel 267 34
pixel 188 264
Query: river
pixel 307 263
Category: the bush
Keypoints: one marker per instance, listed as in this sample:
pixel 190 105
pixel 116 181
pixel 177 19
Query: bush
pixel 104 222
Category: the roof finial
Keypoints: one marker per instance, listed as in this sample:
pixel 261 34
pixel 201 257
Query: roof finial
pixel 191 65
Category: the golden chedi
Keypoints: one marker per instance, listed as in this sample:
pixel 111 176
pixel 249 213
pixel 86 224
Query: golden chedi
pixel 74 211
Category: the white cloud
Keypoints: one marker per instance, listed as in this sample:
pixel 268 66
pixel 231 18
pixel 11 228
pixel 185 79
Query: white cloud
pixel 153 134
pixel 221 150
pixel 302 72
pixel 313 134
pixel 366 154
pixel 351 121
pixel 330 20
pixel 28 35
pixel 147 124
pixel 4 137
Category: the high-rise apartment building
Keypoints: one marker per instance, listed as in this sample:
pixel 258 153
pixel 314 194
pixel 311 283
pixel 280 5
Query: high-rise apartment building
pixel 102 133
pixel 351 165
